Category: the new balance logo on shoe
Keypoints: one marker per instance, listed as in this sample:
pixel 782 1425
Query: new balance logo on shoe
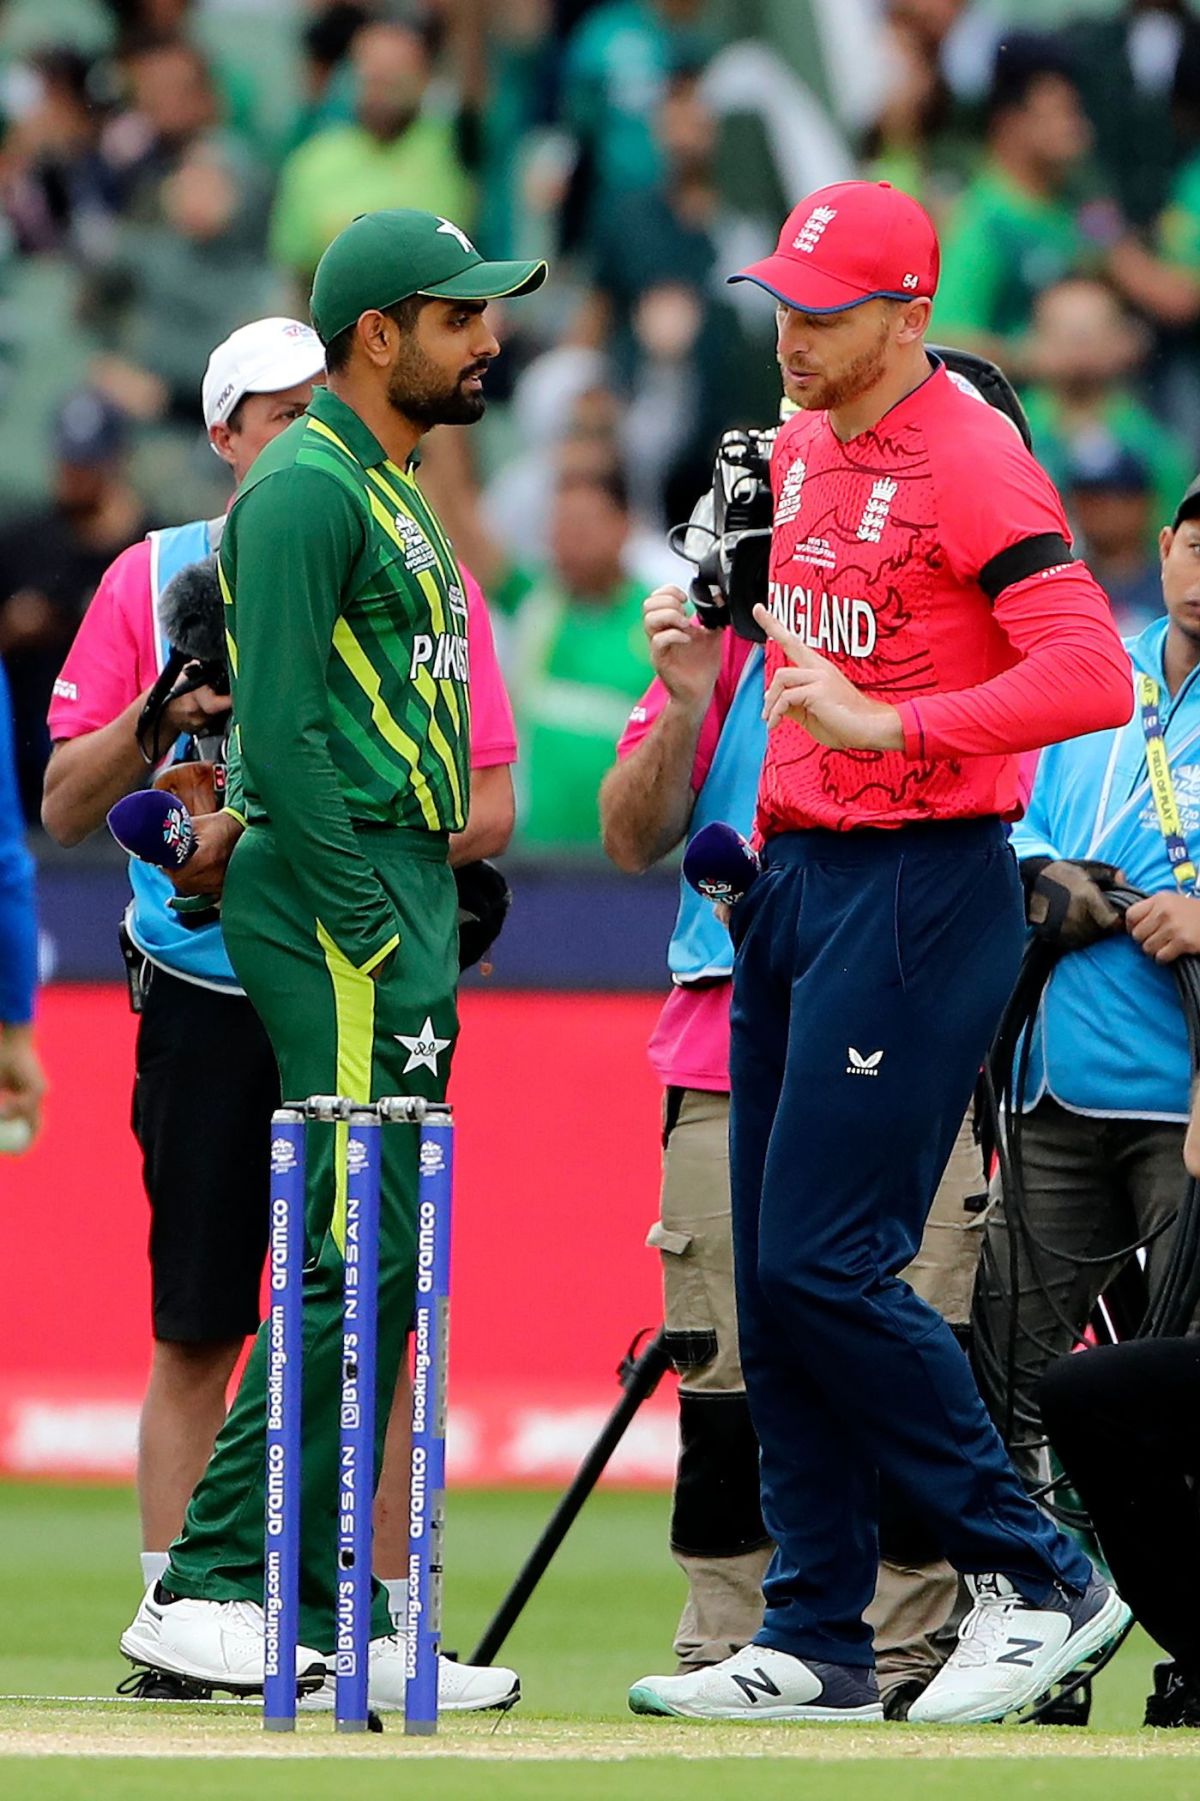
pixel 863 1066
pixel 758 1684
pixel 1017 1646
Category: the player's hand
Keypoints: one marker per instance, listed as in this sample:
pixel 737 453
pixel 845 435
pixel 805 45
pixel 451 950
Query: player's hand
pixel 22 1082
pixel 1166 926
pixel 203 710
pixel 685 654
pixel 817 696
pixel 204 871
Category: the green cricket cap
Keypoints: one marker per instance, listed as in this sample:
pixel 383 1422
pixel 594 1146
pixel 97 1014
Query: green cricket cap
pixel 382 258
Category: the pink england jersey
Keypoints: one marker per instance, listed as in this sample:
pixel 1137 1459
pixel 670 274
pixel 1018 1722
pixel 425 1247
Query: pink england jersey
pixel 115 658
pixel 904 557
pixel 689 1047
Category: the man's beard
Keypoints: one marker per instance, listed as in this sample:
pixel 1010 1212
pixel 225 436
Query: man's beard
pixel 419 390
pixel 857 377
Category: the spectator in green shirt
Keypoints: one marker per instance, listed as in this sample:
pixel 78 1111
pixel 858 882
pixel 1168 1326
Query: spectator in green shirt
pixel 1017 227
pixel 1084 352
pixel 1164 281
pixel 1137 70
pixel 679 348
pixel 576 662
pixel 394 154
pixel 183 281
pixel 616 64
pixel 918 139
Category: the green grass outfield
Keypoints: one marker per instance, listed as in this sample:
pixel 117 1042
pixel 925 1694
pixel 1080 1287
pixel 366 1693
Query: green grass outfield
pixel 68 1583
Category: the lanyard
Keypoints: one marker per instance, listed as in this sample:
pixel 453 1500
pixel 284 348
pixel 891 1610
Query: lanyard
pixel 1162 787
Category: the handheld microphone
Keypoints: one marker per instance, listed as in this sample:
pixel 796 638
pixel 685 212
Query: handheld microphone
pixel 155 826
pixel 719 864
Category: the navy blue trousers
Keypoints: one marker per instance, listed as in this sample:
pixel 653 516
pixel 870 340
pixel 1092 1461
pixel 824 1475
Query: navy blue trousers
pixel 871 971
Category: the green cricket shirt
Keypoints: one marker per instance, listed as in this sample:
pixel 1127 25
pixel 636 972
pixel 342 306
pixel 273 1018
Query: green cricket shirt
pixel 577 666
pixel 347 628
pixel 1001 248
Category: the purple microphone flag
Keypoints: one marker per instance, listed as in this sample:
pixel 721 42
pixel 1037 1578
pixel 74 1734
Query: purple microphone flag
pixel 155 826
pixel 719 864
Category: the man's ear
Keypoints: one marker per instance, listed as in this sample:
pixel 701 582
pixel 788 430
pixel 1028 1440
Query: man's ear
pixel 221 439
pixel 913 321
pixel 375 332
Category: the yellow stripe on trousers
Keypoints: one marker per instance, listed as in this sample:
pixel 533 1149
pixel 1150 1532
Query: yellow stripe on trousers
pixel 354 1017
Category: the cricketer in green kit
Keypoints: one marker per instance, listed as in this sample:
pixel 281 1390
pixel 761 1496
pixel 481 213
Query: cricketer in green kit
pixel 348 652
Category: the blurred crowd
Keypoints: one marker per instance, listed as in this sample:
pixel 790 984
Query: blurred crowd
pixel 170 169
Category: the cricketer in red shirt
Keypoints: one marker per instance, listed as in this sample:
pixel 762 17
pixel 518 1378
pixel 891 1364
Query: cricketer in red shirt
pixel 929 560
pixel 928 622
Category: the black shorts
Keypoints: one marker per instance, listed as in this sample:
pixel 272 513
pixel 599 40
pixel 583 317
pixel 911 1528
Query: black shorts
pixel 206 1087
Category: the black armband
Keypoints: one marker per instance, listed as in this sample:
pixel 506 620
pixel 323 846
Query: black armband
pixel 1048 550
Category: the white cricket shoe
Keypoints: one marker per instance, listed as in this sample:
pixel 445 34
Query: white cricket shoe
pixel 218 1644
pixel 1011 1651
pixel 462 1687
pixel 759 1683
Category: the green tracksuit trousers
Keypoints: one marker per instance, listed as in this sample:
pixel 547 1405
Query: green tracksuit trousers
pixel 334 1031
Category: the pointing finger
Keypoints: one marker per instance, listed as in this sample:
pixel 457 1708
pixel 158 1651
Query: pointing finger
pixel 792 646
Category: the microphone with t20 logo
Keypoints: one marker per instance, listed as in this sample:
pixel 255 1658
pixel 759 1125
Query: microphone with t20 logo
pixel 719 864
pixel 155 826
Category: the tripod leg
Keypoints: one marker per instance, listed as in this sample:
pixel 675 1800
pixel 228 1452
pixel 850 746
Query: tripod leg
pixel 640 1376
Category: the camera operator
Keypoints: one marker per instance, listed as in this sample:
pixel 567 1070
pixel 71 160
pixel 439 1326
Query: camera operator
pixel 205 1076
pixel 1107 1085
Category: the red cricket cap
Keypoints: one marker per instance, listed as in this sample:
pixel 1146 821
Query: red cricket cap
pixel 850 242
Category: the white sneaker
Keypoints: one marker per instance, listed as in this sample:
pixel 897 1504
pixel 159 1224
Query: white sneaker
pixel 758 1683
pixel 1011 1652
pixel 218 1644
pixel 462 1687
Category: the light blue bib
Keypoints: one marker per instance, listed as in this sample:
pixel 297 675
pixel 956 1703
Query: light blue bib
pixel 1110 1037
pixel 701 948
pixel 196 953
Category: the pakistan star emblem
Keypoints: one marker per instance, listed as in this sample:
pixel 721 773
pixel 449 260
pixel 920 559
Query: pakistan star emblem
pixel 424 1049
